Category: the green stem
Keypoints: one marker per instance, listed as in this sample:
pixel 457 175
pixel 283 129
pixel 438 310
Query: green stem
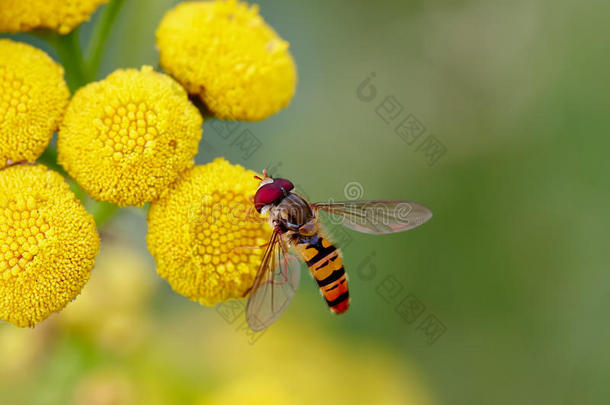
pixel 97 43
pixel 69 52
pixel 103 211
pixel 49 159
pixel 78 73
pixel 78 192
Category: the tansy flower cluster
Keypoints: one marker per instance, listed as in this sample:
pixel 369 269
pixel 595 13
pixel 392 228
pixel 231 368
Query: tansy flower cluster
pixel 213 257
pixel 226 54
pixel 57 15
pixel 126 140
pixel 140 130
pixel 33 96
pixel 47 244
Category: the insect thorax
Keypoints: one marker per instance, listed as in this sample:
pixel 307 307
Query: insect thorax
pixel 292 213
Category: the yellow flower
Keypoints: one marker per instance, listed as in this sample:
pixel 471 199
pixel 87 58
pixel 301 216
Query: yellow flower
pixel 105 385
pixel 33 97
pixel 347 368
pixel 48 244
pixel 226 53
pixel 252 390
pixel 126 138
pixel 202 236
pixel 22 350
pixel 58 15
pixel 127 273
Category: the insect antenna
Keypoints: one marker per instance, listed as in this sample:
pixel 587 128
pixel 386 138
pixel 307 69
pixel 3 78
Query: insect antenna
pixel 264 174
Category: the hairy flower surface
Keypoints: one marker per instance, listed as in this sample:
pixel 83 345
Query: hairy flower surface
pixel 126 138
pixel 226 53
pixel 58 15
pixel 203 235
pixel 48 243
pixel 33 97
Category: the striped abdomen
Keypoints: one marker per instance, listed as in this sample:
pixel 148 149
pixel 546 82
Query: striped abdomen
pixel 327 268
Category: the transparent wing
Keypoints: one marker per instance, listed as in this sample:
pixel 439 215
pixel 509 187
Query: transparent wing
pixel 274 286
pixel 376 217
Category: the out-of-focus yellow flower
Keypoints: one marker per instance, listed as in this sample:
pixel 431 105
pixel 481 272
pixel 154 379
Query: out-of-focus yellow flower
pixel 201 236
pixel 48 243
pixel 126 138
pixel 117 321
pixel 253 390
pixel 58 15
pixel 226 53
pixel 309 364
pixel 105 387
pixel 21 351
pixel 33 97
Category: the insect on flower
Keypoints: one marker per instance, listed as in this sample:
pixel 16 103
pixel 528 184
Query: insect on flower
pixel 295 224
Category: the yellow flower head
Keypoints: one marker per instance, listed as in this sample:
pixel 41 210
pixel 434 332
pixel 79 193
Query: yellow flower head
pixel 126 138
pixel 33 97
pixel 48 244
pixel 203 234
pixel 226 53
pixel 58 15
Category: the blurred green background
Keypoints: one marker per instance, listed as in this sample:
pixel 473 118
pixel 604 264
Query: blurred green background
pixel 500 299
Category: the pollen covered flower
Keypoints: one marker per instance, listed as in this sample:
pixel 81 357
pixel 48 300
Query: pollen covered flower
pixel 226 53
pixel 33 97
pixel 204 235
pixel 58 15
pixel 126 138
pixel 48 243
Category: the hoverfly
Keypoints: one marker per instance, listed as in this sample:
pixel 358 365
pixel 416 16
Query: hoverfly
pixel 295 225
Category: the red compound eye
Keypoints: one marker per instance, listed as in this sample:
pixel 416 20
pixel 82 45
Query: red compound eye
pixel 272 192
pixel 283 183
pixel 267 194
